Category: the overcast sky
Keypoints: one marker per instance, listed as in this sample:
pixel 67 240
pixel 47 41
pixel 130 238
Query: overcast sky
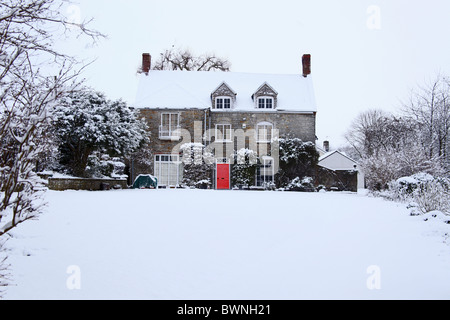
pixel 365 54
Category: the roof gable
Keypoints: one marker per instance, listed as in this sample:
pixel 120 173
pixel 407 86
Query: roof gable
pixel 223 90
pixel 265 90
pixel 336 160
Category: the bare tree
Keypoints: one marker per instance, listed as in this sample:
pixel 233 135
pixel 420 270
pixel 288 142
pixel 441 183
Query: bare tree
pixel 389 147
pixel 429 108
pixel 33 76
pixel 365 133
pixel 183 59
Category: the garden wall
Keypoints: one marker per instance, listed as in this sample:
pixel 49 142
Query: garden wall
pixel 61 184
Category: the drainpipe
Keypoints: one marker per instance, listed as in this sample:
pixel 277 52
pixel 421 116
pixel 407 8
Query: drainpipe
pixel 213 172
pixel 204 126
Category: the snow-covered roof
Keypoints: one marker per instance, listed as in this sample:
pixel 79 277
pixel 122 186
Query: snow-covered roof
pixel 336 160
pixel 193 89
pixel 326 155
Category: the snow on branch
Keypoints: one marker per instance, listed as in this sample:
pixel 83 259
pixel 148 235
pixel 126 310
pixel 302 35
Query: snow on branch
pixel 28 96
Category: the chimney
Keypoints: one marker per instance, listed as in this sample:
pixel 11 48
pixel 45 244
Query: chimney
pixel 146 62
pixel 326 146
pixel 306 61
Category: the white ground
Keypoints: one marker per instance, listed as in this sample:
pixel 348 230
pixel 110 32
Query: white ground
pixel 205 244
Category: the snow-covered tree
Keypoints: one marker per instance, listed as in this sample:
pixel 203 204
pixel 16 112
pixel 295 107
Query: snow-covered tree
pixel 244 167
pixel 298 159
pixel 370 133
pixel 197 165
pixel 429 109
pixel 33 76
pixel 389 147
pixel 85 122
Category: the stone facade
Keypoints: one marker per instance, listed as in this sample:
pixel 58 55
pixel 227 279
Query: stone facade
pixel 187 121
pixel 199 125
pixel 300 125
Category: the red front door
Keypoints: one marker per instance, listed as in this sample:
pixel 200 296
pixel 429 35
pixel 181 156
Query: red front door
pixel 222 176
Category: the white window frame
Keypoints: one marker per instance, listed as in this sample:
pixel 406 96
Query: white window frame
pixel 223 136
pixel 167 159
pixel 266 165
pixel 265 104
pixel 172 132
pixel 266 137
pixel 223 102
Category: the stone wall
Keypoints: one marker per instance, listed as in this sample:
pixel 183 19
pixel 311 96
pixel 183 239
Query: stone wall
pixel 194 123
pixel 339 180
pixel 187 120
pixel 300 125
pixel 61 184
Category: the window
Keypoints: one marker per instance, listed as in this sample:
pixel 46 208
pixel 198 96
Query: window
pixel 168 170
pixel 169 128
pixel 265 172
pixel 264 132
pixel 223 103
pixel 265 103
pixel 223 132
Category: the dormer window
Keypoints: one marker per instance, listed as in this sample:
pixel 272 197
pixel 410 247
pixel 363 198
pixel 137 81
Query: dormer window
pixel 223 97
pixel 265 97
pixel 265 103
pixel 224 103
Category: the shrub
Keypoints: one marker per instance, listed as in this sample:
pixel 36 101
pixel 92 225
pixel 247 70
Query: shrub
pixel 203 184
pixel 197 176
pixel 105 167
pixel 422 191
pixel 402 189
pixel 432 195
pixel 197 166
pixel 305 185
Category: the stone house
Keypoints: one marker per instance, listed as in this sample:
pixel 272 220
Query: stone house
pixel 224 111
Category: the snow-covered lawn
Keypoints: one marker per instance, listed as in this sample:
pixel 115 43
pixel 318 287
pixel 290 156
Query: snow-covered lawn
pixel 206 244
